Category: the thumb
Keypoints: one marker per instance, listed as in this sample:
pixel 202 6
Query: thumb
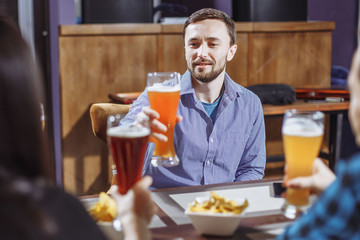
pixel 145 182
pixel 114 192
pixel 300 182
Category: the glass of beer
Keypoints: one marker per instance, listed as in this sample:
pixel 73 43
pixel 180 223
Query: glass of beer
pixel 163 89
pixel 128 144
pixel 302 135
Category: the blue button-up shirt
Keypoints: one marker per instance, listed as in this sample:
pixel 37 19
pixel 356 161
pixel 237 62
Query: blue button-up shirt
pixel 231 149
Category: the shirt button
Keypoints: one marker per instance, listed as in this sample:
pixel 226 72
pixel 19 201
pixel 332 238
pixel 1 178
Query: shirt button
pixel 211 140
pixel 207 162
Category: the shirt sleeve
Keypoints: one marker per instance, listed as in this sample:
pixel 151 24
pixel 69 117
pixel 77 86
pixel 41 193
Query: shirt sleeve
pixel 130 118
pixel 336 214
pixel 253 160
pixel 136 108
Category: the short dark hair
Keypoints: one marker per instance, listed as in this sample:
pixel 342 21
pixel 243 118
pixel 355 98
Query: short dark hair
pixel 23 150
pixel 210 13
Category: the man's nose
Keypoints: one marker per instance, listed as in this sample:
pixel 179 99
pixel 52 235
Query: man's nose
pixel 203 51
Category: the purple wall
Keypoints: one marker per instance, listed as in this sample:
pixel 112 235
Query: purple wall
pixel 344 14
pixel 60 12
pixel 55 87
pixel 224 5
pixel 194 5
pixel 66 10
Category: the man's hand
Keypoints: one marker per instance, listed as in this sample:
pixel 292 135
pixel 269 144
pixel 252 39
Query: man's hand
pixel 320 179
pixel 149 117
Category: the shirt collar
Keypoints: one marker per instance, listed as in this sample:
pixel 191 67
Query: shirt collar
pixel 186 84
pixel 232 89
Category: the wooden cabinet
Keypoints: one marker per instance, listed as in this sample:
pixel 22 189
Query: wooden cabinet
pixel 97 59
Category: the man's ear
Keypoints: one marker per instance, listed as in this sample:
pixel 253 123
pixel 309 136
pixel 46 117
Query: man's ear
pixel 231 52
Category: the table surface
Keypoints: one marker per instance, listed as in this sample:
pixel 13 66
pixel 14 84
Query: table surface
pixel 272 110
pixel 263 221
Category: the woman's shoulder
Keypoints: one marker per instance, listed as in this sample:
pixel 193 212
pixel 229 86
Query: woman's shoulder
pixel 350 166
pixel 348 174
pixel 70 214
pixel 55 195
pixel 36 210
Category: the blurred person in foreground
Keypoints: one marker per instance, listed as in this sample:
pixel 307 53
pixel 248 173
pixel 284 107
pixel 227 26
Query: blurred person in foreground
pixel 30 206
pixel 220 136
pixel 336 214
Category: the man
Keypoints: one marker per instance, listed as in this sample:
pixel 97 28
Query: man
pixel 221 137
pixel 336 214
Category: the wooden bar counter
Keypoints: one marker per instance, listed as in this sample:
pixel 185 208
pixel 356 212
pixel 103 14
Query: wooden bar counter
pixel 99 59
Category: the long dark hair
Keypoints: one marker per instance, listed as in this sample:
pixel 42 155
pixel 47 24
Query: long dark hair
pixel 23 150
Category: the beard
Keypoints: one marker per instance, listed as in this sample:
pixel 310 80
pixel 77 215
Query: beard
pixel 206 77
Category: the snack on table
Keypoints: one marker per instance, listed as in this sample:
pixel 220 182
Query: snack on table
pixel 218 204
pixel 104 210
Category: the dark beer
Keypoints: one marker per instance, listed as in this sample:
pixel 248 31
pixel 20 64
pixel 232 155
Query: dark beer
pixel 128 146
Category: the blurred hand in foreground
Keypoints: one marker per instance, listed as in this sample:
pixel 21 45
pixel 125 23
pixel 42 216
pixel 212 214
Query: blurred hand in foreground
pixel 135 209
pixel 320 179
pixel 149 117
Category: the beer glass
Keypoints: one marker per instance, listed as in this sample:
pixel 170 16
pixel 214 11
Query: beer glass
pixel 302 135
pixel 128 146
pixel 163 89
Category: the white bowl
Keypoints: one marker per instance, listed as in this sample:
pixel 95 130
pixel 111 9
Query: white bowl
pixel 219 224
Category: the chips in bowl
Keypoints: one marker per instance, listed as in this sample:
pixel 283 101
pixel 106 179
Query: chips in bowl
pixel 215 215
pixel 104 210
pixel 217 204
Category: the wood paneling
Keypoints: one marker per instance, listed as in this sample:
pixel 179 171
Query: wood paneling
pixel 293 26
pixel 98 59
pixel 90 69
pixel 238 67
pixel 300 59
pixel 172 53
pixel 109 29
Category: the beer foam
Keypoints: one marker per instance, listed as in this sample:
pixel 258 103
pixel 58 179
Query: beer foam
pixel 301 127
pixel 128 132
pixel 158 87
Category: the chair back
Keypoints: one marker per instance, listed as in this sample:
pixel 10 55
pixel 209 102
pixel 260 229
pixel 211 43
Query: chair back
pixel 99 113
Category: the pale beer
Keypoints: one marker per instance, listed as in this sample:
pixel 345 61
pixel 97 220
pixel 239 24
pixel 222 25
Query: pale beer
pixel 165 101
pixel 302 140
pixel 163 90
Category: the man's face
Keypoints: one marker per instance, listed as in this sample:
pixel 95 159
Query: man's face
pixel 207 49
pixel 354 88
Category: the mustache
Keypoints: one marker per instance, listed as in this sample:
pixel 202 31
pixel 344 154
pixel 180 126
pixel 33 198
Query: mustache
pixel 200 60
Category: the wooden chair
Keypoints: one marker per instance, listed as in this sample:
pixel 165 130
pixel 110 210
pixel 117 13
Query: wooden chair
pixel 99 113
